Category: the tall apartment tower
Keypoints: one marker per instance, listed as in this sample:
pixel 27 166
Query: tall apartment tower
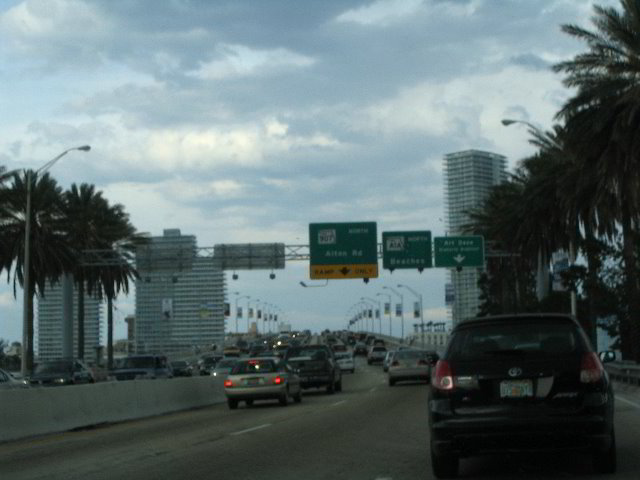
pixel 49 325
pixel 179 296
pixel 468 176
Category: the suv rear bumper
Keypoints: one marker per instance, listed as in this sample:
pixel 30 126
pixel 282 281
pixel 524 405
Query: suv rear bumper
pixel 466 437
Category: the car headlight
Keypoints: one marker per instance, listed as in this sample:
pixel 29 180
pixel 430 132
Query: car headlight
pixel 215 374
pixel 59 380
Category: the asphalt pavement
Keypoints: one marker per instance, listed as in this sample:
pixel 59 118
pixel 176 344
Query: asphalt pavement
pixel 368 431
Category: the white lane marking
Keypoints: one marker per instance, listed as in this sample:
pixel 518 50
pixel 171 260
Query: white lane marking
pixel 373 389
pixel 384 478
pixel 251 429
pixel 338 403
pixel 637 405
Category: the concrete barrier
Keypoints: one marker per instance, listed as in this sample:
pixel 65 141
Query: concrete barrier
pixel 42 410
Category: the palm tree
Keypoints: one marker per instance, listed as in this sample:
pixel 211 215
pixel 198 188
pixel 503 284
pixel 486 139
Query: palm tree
pixel 85 211
pixel 603 121
pixel 49 253
pixel 104 241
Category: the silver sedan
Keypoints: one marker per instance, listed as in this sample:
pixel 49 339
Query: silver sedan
pixel 261 379
pixel 409 365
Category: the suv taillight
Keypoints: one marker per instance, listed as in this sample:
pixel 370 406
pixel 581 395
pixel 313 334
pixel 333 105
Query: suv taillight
pixel 443 376
pixel 591 370
pixel 228 383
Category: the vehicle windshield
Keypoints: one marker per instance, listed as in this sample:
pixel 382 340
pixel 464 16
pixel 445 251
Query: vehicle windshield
pixel 541 338
pixel 137 362
pixel 54 367
pixel 313 353
pixel 226 363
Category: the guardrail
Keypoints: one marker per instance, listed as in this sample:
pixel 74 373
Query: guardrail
pixel 42 410
pixel 626 372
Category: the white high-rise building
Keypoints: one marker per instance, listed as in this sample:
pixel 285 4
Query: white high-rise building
pixel 179 296
pixel 49 325
pixel 468 176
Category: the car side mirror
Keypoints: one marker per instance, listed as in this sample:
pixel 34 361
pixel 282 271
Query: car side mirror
pixel 607 356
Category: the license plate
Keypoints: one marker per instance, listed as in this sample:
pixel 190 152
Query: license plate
pixel 516 389
pixel 253 381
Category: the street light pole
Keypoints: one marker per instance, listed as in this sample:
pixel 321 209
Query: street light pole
pixel 377 304
pixel 389 300
pixel 421 314
pixel 237 299
pixel 27 348
pixel 401 310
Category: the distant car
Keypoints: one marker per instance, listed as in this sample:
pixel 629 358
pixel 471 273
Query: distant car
pixel 346 361
pixel 181 368
pixel 378 341
pixel 316 366
pixel 61 372
pixel 224 367
pixel 9 382
pixel 261 379
pixel 231 351
pixel 520 383
pixel 376 354
pixel 360 348
pixel 142 367
pixel 207 363
pixel 339 347
pixel 409 365
pixel 256 349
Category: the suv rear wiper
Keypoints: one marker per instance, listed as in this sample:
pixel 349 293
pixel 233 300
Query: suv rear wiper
pixel 511 351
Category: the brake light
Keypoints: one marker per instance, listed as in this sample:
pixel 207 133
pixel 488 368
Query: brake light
pixel 228 383
pixel 277 380
pixel 591 370
pixel 443 376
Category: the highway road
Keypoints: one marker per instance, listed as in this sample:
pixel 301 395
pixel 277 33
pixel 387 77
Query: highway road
pixel 369 431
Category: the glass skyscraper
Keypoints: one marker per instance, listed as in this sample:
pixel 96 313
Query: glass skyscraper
pixel 468 176
pixel 179 296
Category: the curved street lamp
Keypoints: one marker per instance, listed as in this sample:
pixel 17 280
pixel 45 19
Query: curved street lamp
pixel 27 348
pixel 401 309
pixel 419 296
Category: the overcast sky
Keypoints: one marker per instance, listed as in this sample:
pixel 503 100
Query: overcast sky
pixel 243 121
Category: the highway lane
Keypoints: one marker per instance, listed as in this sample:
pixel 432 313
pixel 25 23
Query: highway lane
pixel 370 431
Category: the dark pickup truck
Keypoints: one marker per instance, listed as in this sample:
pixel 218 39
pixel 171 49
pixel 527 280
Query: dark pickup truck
pixel 316 366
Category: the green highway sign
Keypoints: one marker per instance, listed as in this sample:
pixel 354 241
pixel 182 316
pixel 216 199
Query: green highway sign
pixel 454 252
pixel 406 250
pixel 343 250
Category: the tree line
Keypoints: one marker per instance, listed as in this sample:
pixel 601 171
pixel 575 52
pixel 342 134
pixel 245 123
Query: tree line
pixel 73 232
pixel 579 191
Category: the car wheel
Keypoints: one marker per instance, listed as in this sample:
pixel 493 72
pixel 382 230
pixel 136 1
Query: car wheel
pixel 353 370
pixel 298 397
pixel 368 362
pixel 392 382
pixel 605 461
pixel 284 399
pixel 444 466
pixel 233 404
pixel 249 402
pixel 338 386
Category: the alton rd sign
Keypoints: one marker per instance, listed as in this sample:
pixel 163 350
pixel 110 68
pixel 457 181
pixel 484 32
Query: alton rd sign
pixel 343 250
pixel 457 252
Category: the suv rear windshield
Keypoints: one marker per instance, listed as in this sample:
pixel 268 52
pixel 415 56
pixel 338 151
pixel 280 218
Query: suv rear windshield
pixel 531 337
pixel 315 353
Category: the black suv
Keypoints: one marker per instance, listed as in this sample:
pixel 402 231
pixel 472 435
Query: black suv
pixel 316 366
pixel 520 383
